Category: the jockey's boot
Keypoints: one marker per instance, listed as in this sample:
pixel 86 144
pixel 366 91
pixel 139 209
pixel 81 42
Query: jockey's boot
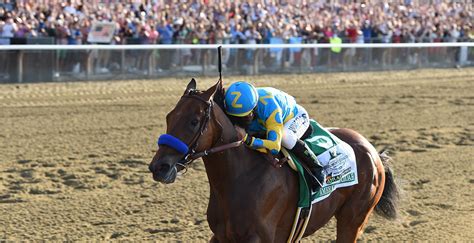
pixel 306 156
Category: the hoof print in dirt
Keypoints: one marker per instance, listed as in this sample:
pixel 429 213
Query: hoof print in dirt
pixel 413 212
pixel 417 222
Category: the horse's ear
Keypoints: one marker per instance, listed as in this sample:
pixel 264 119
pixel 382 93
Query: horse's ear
pixel 219 95
pixel 191 86
pixel 209 94
pixel 219 87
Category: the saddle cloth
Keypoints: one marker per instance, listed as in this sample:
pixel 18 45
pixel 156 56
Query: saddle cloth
pixel 338 161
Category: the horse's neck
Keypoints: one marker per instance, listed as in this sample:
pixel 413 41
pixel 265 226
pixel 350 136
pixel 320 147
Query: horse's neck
pixel 227 167
pixel 233 167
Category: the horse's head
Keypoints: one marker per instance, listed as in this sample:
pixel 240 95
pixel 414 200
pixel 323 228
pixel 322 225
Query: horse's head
pixel 191 126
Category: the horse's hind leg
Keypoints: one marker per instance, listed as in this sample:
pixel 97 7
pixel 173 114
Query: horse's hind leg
pixel 352 218
pixel 354 214
pixel 349 228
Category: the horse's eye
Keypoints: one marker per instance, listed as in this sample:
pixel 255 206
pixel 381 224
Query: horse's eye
pixel 194 122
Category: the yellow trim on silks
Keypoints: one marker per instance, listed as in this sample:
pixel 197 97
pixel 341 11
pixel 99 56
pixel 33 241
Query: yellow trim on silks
pixel 239 115
pixel 262 150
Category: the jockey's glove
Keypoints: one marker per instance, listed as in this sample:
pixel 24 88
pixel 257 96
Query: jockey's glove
pixel 248 140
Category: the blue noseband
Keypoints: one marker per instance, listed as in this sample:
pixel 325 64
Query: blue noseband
pixel 178 145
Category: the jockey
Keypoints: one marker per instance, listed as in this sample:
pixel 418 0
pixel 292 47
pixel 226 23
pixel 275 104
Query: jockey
pixel 275 113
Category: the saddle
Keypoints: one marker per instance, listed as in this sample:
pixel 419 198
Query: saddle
pixel 281 158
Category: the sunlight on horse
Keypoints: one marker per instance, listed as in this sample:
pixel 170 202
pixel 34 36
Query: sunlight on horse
pixel 252 201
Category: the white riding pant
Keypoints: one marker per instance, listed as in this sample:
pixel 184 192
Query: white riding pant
pixel 295 128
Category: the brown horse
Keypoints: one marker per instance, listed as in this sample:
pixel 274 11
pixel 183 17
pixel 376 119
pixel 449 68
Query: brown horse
pixel 252 201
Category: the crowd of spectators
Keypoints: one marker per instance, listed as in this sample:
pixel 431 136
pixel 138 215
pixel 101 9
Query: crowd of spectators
pixel 202 22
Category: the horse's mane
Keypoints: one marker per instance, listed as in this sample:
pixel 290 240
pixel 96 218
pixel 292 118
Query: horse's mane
pixel 219 98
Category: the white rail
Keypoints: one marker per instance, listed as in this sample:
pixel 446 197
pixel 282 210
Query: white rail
pixel 231 46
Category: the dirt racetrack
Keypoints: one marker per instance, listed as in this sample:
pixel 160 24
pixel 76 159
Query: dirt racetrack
pixel 74 156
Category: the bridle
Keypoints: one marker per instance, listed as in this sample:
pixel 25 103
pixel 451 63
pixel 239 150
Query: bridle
pixel 192 154
pixel 203 127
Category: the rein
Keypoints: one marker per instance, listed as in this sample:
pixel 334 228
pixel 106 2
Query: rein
pixel 191 154
pixel 197 155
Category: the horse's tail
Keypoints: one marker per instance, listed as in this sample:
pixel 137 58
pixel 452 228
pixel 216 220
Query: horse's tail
pixel 388 204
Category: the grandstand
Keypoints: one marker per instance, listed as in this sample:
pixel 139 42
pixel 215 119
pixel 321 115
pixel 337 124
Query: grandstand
pixel 129 23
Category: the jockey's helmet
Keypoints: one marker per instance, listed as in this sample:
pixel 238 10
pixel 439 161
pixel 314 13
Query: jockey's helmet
pixel 240 99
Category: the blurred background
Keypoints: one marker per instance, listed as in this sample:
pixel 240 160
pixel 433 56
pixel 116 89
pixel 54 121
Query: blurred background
pixel 154 23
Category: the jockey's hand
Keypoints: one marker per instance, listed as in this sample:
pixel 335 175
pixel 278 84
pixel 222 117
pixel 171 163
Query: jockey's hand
pixel 241 133
pixel 247 140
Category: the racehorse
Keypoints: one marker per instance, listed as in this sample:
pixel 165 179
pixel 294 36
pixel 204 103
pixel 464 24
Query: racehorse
pixel 252 201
